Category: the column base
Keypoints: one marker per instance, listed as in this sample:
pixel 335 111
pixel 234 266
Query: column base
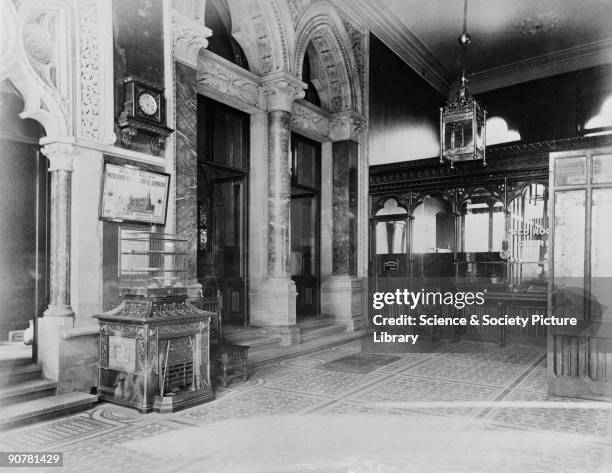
pixel 273 307
pixel 59 311
pixel 342 297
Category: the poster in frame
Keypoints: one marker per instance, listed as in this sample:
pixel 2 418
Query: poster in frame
pixel 132 194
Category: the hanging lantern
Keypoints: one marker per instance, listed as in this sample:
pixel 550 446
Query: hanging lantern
pixel 462 119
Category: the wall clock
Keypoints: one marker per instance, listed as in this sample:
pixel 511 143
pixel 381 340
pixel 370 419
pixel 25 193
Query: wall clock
pixel 143 112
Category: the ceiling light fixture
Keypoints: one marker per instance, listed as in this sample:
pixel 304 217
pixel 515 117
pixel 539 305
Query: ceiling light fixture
pixel 462 119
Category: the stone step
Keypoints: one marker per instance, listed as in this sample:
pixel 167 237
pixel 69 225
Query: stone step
pixel 19 372
pixel 23 413
pixel 314 323
pixel 315 332
pixel 306 346
pixel 27 391
pixel 241 336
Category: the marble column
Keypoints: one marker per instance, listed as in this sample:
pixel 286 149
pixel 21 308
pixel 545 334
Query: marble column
pixel 186 162
pixel 189 37
pixel 60 157
pixel 273 302
pixel 279 194
pixel 342 294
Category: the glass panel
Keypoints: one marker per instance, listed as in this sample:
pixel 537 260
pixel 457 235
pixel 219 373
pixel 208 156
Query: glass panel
pixel 458 134
pixel 305 163
pixel 432 227
pixel 226 202
pixel 602 169
pixel 303 236
pixel 391 237
pixel 228 144
pixel 569 252
pixel 601 254
pixel 304 251
pixel 569 171
pixel 529 232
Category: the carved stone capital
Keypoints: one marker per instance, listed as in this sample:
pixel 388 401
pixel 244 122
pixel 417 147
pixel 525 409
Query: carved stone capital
pixel 347 125
pixel 281 89
pixel 60 155
pixel 189 37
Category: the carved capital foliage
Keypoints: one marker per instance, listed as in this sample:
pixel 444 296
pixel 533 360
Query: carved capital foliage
pixel 309 120
pixel 189 37
pixel 60 155
pixel 227 79
pixel 281 90
pixel 347 125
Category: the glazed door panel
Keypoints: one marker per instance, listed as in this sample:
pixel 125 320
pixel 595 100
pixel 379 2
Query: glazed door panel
pixel 580 357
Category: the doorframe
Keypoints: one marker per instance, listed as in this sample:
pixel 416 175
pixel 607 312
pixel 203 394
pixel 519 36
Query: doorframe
pixel 316 192
pixel 243 174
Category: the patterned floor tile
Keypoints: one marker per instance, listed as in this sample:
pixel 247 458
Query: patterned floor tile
pixel 591 422
pixel 485 437
pixel 468 370
pixel 416 389
pixel 260 402
pixel 323 383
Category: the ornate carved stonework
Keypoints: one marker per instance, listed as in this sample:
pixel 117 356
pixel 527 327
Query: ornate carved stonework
pixel 226 79
pixel 60 155
pixel 46 35
pixel 264 43
pixel 358 44
pixel 281 90
pixel 297 7
pixel 309 120
pixel 90 69
pixel 189 38
pixel 346 126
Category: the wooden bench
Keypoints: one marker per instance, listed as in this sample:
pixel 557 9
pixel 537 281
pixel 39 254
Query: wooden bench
pixel 224 355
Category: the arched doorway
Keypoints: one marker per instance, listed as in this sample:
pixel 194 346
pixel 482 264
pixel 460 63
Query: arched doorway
pixel 24 210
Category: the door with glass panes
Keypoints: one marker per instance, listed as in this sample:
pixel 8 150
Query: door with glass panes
pixel 223 139
pixel 305 224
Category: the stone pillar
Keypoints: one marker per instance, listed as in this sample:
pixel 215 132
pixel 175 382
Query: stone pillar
pixel 59 316
pixel 60 157
pixel 189 37
pixel 342 294
pixel 273 302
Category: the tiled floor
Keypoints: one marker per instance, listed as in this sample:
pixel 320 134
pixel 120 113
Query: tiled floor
pixel 466 408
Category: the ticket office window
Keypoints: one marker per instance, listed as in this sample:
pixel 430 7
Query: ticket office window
pixel 433 239
pixel 391 237
pixel 481 234
pixel 529 237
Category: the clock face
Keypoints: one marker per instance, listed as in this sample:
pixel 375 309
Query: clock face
pixel 147 104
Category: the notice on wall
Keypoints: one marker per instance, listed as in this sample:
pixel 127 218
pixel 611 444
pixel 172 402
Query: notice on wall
pixel 131 194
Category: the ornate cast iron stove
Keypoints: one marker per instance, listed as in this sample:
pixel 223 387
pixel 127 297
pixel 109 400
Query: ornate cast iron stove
pixel 154 354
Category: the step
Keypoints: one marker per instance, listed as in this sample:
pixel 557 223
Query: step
pixel 27 391
pixel 314 323
pixel 242 335
pixel 44 408
pixel 322 331
pixel 305 347
pixel 19 372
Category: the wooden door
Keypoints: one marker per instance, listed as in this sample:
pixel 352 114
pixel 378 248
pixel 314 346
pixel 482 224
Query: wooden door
pixel 580 262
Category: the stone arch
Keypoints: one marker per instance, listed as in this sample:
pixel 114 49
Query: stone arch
pixel 25 57
pixel 320 29
pixel 263 30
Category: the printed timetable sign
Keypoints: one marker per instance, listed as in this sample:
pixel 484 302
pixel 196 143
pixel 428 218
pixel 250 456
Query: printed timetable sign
pixel 131 194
